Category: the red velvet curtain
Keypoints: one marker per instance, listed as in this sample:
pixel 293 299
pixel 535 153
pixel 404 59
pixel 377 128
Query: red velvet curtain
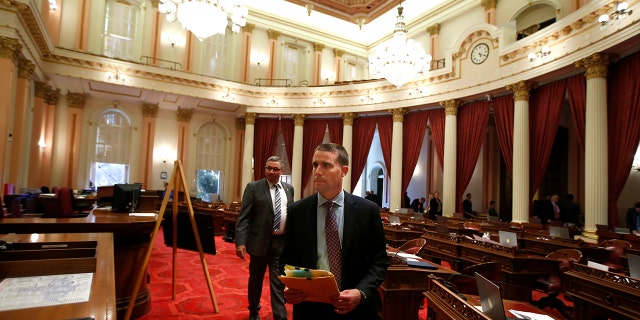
pixel 287 128
pixel 314 130
pixel 335 130
pixel 413 128
pixel 577 92
pixel 436 122
pixel 544 116
pixel 363 128
pixel 385 131
pixel 503 117
pixel 623 123
pixel 471 126
pixel 264 143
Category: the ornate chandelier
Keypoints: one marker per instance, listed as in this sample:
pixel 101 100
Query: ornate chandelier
pixel 205 18
pixel 398 60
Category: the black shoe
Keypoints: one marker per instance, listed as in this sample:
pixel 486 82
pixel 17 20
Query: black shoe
pixel 254 317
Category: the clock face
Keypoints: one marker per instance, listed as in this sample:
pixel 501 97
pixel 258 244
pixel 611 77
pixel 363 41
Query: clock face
pixel 480 53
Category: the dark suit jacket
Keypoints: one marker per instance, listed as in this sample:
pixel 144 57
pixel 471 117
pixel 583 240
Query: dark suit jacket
pixel 255 221
pixel 364 256
pixel 632 219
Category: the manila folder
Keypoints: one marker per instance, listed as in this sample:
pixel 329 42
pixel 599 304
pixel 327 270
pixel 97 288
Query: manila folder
pixel 320 289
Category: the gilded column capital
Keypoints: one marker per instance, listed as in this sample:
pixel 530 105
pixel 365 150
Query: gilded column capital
pixel 250 118
pixel 240 123
pixel 40 89
pixel 489 4
pixel 248 28
pixel 298 119
pixel 596 65
pixel 451 107
pixel 273 35
pixel 149 110
pixel 433 29
pixel 76 100
pixel 338 53
pixel 521 90
pixel 10 49
pixel 347 118
pixel 318 47
pixel 398 114
pixel 26 68
pixel 184 115
pixel 51 96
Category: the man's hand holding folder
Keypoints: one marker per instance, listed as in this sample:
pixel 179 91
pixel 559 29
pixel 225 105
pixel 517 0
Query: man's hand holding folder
pixel 315 285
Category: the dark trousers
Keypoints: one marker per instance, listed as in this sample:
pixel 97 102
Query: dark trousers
pixel 257 268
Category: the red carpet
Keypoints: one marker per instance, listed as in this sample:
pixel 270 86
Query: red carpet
pixel 229 276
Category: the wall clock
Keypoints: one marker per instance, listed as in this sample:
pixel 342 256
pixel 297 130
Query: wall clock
pixel 480 53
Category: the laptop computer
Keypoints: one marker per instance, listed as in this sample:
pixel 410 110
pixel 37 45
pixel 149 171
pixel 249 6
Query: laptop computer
pixel 394 220
pixel 442 228
pixel 442 219
pixel 508 239
pixel 621 230
pixel 559 232
pixel 634 265
pixel 598 266
pixel 490 299
pixel 418 215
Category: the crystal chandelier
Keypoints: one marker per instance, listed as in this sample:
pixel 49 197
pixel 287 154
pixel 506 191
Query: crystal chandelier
pixel 398 60
pixel 205 18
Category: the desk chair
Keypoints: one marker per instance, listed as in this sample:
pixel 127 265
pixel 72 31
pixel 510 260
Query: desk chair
pixel 617 248
pixel 413 246
pixel 552 285
pixel 465 281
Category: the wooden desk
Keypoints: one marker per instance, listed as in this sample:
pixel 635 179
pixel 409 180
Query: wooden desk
pixel 519 269
pixel 602 293
pixel 131 237
pixel 401 291
pixel 397 235
pixel 441 246
pixel 102 301
pixel 445 304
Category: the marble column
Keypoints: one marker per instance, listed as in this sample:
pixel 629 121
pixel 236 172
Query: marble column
pixel 395 176
pixel 247 153
pixel 317 64
pixel 450 153
pixel 596 162
pixel 347 142
pixel 245 65
pixel 37 144
pixel 337 65
pixel 521 197
pixel 273 45
pixel 434 41
pixel 149 113
pixel 52 97
pixel 18 168
pixel 183 116
pixel 9 54
pixel 296 162
pixel 76 103
pixel 489 11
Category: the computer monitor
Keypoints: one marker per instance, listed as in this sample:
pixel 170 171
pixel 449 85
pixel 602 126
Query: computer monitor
pixel 490 299
pixel 559 232
pixel 508 239
pixel 125 197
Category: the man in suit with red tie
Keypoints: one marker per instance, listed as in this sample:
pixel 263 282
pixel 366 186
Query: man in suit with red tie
pixel 361 259
pixel 260 232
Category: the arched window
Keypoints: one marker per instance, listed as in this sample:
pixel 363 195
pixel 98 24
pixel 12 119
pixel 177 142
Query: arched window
pixel 535 17
pixel 120 27
pixel 210 162
pixel 110 163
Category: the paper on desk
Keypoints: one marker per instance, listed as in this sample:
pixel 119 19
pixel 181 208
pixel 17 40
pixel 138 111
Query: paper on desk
pixel 530 315
pixel 407 255
pixel 319 284
pixel 142 214
pixel 39 291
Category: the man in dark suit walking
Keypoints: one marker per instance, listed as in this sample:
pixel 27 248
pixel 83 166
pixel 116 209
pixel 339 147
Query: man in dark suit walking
pixel 357 258
pixel 633 218
pixel 260 232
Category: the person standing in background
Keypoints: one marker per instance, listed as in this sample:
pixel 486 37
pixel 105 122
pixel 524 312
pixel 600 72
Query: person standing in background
pixel 435 206
pixel 336 231
pixel 260 232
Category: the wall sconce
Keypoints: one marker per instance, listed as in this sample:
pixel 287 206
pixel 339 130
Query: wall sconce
pixel 367 98
pixel 328 76
pixel 319 101
pixel 621 12
pixel 53 5
pixel 272 102
pixel 229 96
pixel 115 77
pixel 259 60
pixel 415 92
pixel 543 52
pixel 42 144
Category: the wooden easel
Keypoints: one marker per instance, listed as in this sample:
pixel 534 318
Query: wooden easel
pixel 177 179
